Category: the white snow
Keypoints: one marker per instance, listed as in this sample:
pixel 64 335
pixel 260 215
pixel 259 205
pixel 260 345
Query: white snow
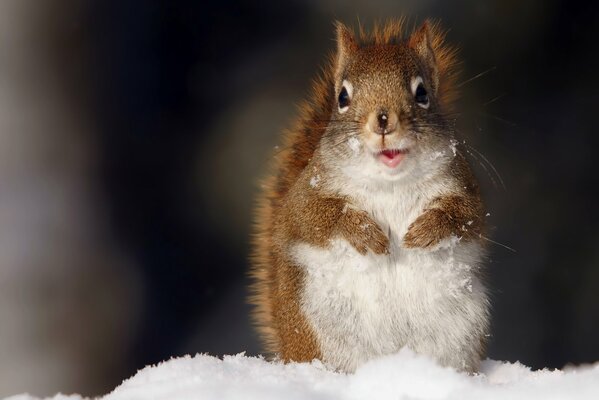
pixel 354 145
pixel 437 154
pixel 314 180
pixel 453 146
pixel 405 375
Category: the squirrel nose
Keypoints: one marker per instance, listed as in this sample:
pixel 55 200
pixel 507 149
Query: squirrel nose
pixel 382 122
pixel 382 118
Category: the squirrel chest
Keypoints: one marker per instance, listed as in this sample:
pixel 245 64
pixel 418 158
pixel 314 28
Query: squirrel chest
pixel 363 306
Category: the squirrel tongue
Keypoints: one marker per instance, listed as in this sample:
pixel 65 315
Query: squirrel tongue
pixel 391 158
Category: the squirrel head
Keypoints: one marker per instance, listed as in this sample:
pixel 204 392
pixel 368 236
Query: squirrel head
pixel 392 96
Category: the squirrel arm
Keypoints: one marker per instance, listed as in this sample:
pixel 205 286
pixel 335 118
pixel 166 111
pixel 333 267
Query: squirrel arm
pixel 316 218
pixel 459 215
pixel 312 218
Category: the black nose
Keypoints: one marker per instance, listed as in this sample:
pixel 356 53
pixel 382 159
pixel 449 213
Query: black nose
pixel 383 119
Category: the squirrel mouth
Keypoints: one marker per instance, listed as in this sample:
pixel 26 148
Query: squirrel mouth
pixel 391 157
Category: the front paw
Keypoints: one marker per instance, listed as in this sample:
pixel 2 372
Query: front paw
pixel 363 233
pixel 428 229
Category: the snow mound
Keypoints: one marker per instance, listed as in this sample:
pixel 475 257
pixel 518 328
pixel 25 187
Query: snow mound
pixel 405 375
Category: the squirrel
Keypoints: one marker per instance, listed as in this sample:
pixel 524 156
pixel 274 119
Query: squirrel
pixel 368 232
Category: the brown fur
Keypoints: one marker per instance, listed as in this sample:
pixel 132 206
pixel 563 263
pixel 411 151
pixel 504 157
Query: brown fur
pixel 276 281
pixel 314 217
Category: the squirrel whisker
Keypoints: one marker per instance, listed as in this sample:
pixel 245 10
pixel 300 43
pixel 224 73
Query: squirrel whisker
pixel 490 164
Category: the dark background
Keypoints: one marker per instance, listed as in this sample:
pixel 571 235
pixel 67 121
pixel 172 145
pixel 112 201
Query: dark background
pixel 132 135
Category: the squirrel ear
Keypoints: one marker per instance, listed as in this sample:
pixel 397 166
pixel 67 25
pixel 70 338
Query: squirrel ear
pixel 420 42
pixel 346 45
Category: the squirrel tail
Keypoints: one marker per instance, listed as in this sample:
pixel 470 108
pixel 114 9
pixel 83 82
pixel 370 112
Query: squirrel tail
pixel 298 146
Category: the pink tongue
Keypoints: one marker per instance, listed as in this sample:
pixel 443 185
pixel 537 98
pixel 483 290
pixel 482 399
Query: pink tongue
pixel 391 158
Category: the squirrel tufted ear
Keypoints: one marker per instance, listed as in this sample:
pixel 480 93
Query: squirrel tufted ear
pixel 346 45
pixel 421 43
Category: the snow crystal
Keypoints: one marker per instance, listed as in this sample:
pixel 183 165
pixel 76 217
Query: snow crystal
pixel 314 180
pixel 450 242
pixel 398 376
pixel 456 275
pixel 354 144
pixel 438 154
pixel 453 146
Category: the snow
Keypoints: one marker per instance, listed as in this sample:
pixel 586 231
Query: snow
pixel 314 180
pixel 405 375
pixel 453 146
pixel 437 154
pixel 354 145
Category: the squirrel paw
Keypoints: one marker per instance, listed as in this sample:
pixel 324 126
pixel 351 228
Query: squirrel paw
pixel 428 229
pixel 363 233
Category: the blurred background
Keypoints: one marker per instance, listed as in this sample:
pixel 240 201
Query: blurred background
pixel 132 134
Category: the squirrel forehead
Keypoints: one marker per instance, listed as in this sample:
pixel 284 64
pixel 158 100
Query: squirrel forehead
pixel 371 61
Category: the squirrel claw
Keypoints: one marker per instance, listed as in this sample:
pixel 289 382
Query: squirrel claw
pixel 427 230
pixel 363 233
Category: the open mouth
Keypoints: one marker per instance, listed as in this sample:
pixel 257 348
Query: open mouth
pixel 391 157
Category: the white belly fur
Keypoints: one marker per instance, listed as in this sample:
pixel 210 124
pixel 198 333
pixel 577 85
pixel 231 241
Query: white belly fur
pixel 363 306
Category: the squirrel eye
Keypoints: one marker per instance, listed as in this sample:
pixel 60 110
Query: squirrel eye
pixel 345 96
pixel 419 92
pixel 421 96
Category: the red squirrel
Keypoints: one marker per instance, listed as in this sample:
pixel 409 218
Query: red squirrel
pixel 368 233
